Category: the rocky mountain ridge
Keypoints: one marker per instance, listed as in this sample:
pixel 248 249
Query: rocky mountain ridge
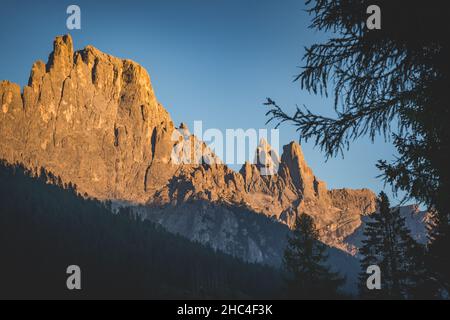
pixel 94 120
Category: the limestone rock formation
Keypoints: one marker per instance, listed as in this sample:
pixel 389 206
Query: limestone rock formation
pixel 90 118
pixel 94 120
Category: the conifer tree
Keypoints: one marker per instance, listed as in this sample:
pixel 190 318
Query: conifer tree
pixel 389 245
pixel 391 82
pixel 305 261
pixel 437 258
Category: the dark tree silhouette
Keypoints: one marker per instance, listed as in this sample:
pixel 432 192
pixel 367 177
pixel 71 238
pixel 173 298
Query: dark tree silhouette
pixel 44 228
pixel 392 83
pixel 305 262
pixel 389 245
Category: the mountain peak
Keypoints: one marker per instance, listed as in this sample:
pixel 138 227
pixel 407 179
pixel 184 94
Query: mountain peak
pixel 266 158
pixel 295 165
pixel 293 151
pixel 61 59
pixel 92 119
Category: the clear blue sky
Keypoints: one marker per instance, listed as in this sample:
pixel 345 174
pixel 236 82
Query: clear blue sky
pixel 209 60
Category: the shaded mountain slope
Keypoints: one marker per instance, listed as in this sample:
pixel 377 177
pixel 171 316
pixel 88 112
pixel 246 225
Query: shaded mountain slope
pixel 45 228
